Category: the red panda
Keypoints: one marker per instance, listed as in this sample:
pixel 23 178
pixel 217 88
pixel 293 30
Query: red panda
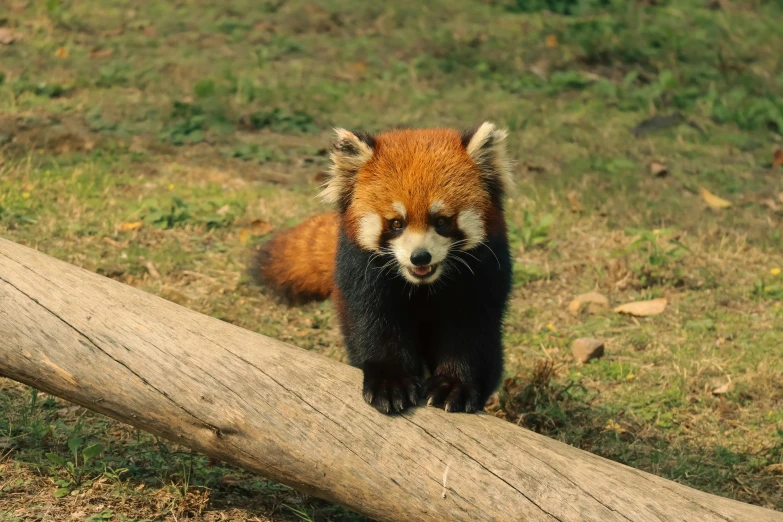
pixel 415 257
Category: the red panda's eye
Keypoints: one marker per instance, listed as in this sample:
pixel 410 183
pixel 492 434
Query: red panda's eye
pixel 441 222
pixel 396 224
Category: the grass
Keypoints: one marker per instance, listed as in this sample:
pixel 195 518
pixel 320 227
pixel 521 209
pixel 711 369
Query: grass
pixel 153 142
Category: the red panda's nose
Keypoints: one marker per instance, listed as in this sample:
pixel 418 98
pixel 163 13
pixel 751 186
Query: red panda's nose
pixel 421 258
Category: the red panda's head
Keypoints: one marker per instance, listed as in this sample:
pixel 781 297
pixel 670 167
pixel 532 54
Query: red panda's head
pixel 420 195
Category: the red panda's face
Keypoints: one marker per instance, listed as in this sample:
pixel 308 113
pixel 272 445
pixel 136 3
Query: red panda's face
pixel 421 197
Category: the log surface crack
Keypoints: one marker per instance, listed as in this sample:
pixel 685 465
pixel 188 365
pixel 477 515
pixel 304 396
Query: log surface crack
pixel 469 457
pixel 298 396
pixel 546 464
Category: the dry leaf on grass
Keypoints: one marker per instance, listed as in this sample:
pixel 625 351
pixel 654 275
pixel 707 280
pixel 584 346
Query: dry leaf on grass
pixel 256 228
pixel 712 200
pixel 643 308
pixel 7 36
pixel 574 201
pixel 658 169
pixel 551 40
pixel 770 204
pixel 61 53
pixel 720 390
pixel 777 159
pixel 98 53
pixel 593 300
pixel 129 226
pixel 540 68
pixel 115 244
pixel 152 270
pixel 223 210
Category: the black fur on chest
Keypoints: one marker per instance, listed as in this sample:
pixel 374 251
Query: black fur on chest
pixel 394 329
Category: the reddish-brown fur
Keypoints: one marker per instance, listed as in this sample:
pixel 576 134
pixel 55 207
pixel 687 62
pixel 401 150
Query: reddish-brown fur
pixel 414 167
pixel 299 262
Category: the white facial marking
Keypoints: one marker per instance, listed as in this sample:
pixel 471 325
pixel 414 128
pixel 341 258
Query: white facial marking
pixel 399 208
pixel 437 206
pixel 369 234
pixel 471 224
pixel 410 241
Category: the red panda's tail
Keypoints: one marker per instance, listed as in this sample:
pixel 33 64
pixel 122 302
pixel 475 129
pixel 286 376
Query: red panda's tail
pixel 298 263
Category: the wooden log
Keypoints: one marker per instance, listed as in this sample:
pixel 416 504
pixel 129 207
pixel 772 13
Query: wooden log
pixel 298 418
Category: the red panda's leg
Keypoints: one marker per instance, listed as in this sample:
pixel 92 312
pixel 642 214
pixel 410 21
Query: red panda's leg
pixel 466 363
pixel 379 335
pixel 384 348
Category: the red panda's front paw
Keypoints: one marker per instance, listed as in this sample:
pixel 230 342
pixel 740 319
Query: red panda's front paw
pixel 391 395
pixel 452 394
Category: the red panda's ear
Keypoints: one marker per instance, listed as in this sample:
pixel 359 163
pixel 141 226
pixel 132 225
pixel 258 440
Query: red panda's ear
pixel 486 145
pixel 350 151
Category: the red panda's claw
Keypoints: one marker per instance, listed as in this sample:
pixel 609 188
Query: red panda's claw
pixel 451 394
pixel 391 395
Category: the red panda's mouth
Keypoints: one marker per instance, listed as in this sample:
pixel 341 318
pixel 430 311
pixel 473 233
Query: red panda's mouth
pixel 422 272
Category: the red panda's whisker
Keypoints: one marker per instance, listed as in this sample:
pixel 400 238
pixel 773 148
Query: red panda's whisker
pixel 457 258
pixel 491 251
pixel 457 252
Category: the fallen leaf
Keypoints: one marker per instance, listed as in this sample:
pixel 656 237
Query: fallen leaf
pixel 777 158
pixel 720 390
pixel 574 201
pixel 551 40
pixel 61 53
pixel 111 33
pixel 593 300
pixel 770 204
pixel 540 68
pixel 129 226
pixel 585 350
pixel 712 200
pixel 116 244
pixel 152 270
pixel 7 36
pixel 223 210
pixel 643 308
pixel 256 228
pixel 611 425
pixel 98 53
pixel 658 169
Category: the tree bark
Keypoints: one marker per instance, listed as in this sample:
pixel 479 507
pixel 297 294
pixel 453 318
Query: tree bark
pixel 298 418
